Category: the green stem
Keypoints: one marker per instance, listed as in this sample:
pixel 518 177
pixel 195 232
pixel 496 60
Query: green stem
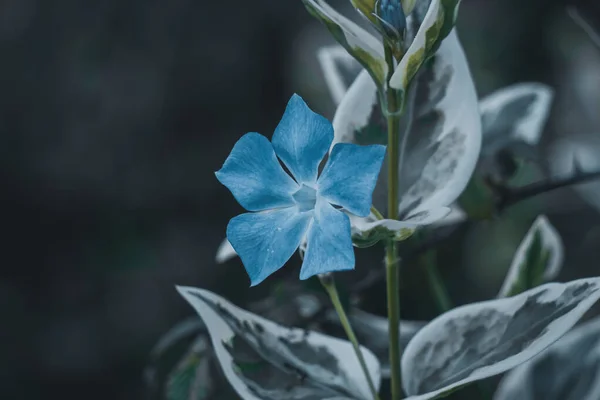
pixel 376 212
pixel 329 284
pixel 393 306
pixel 435 281
pixel 391 259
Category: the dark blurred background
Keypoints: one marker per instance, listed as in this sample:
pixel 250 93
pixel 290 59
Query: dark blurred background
pixel 114 115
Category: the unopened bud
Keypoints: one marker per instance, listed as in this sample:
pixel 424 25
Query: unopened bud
pixel 392 17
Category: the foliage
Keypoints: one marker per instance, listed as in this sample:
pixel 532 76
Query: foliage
pixel 406 92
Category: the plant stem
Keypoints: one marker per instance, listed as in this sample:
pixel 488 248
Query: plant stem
pixel 393 307
pixel 392 259
pixel 508 196
pixel 329 284
pixel 376 212
pixel 438 288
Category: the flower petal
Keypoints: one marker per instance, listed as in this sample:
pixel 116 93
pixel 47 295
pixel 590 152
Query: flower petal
pixel 255 177
pixel 266 240
pixel 350 175
pixel 302 139
pixel 329 242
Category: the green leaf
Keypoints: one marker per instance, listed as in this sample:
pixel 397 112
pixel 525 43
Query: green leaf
pixel 477 200
pixel 366 8
pixel 450 8
pixel 538 259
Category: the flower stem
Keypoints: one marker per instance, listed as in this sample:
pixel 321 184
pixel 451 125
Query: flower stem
pixel 391 259
pixel 438 288
pixel 329 285
pixel 376 212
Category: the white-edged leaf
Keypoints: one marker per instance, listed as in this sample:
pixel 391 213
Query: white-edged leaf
pixel 372 332
pixel 420 48
pixel 575 154
pixel 367 8
pixel 369 230
pixel 514 113
pixel 358 117
pixel 455 216
pixel 225 252
pixel 340 69
pixel 568 370
pixel 289 303
pixel 484 339
pixel 363 46
pixel 266 361
pixel 444 139
pixel 538 259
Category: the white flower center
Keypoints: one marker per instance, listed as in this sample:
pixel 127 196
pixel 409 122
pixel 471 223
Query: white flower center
pixel 306 198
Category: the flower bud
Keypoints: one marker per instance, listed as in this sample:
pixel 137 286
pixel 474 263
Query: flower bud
pixel 392 18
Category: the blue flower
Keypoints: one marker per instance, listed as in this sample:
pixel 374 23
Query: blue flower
pixel 286 210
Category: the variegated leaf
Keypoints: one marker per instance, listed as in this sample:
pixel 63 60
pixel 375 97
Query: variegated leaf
pixel 441 145
pixel 266 361
pixel 484 339
pixel 575 154
pixel 372 332
pixel 514 113
pixel 421 45
pixel 429 24
pixel 510 116
pixel 370 230
pixel 367 8
pixel 340 69
pixel 568 370
pixel 363 46
pixel 538 259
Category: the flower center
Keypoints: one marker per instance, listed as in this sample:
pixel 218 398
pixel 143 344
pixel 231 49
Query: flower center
pixel 306 198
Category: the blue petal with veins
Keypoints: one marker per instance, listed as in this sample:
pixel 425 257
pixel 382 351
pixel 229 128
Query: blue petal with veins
pixel 292 208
